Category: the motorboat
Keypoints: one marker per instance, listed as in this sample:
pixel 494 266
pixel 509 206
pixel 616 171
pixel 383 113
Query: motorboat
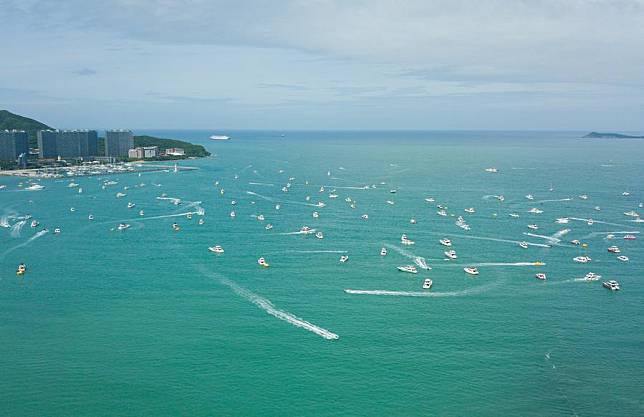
pixel 500 198
pixel 562 220
pixel 524 244
pixel 391 203
pixel 90 217
pixel 319 235
pixel 597 208
pixel 21 270
pixel 405 240
pixel 35 187
pixel 451 254
pixel 430 199
pixel 492 170
pixel 219 137
pixel 316 214
pixel 365 217
pixel 383 252
pixel 306 230
pixel 540 276
pixel 201 221
pixel 582 259
pixel 626 193
pixel 189 216
pixel 260 217
pixel 583 197
pixel 34 223
pixel 591 276
pixel 533 226
pixel 471 270
pixel 411 269
pixel 427 284
pixel 535 210
pixel 216 249
pixel 262 262
pixel 393 191
pixel 285 189
pixel 623 258
pixel 233 202
pixel 120 194
pixel 320 204
pixel 445 242
pixel 321 189
pixel 631 213
pixel 57 231
pixel 611 285
pixel 610 236
pixel 412 221
pixel 344 258
pixel 175 227
pixel 333 195
pixel 233 214
pixel 575 242
pixel 470 210
pixel 277 206
pixel 529 196
pixel 590 222
pixel 630 237
pixel 538 263
pixel 442 213
pixel 614 249
pixel 123 226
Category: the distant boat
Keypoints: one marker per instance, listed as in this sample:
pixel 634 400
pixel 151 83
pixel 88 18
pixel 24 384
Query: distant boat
pixel 220 137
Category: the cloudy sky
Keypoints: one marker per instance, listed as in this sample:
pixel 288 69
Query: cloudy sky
pixel 325 64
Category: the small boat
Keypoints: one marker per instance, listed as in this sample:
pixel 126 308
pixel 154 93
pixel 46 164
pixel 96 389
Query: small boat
pixel 405 240
pixel 233 202
pixel 216 249
pixel 391 203
pixel 285 189
pixel 470 210
pixel 535 210
pixel 219 137
pixel 412 221
pixel 427 284
pixel 533 226
pixel 630 237
pixel 333 195
pixel 492 170
pixel 130 205
pixel 451 254
pixel 623 258
pixel 529 196
pixel 306 230
pixel 583 197
pixel 524 244
pixel 22 268
pixel 538 263
pixel 614 249
pixel 591 276
pixel 319 235
pixel 611 285
pixel 316 214
pixel 590 222
pixel 119 195
pixel 34 223
pixel 430 199
pixel 540 276
pixel 365 217
pixel 500 198
pixel 445 242
pixel 344 258
pixel 575 242
pixel 90 217
pixel 442 213
pixel 123 226
pixel 411 269
pixel 582 259
pixel 233 214
pixel 277 206
pixel 201 221
pixel 393 191
pixel 471 270
pixel 268 226
pixel 260 217
pixel 189 216
pixel 141 213
pixel 175 227
pixel 383 252
pixel 57 231
pixel 626 193
pixel 35 187
pixel 262 262
pixel 597 208
pixel 631 213
pixel 562 220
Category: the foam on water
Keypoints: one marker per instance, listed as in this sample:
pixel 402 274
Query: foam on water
pixel 471 291
pixel 31 239
pixel 15 230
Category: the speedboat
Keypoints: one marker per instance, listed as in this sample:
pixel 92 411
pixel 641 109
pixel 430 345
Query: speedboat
pixel 583 197
pixel 626 193
pixel 365 217
pixel 316 214
pixel 119 195
pixel 471 270
pixel 611 285
pixel 56 230
pixel 533 226
pixel 405 240
pixel 597 208
pixel 383 252
pixel 442 213
pixel 306 230
pixel 590 222
pixel 344 258
pixel 492 170
pixel 412 221
pixel 333 195
pixel 529 197
pixel 630 237
pixel 614 249
pixel 470 210
pixel 391 203
pixel 524 244
pixel 35 187
pixel 540 276
pixel 320 204
pixel 451 254
pixel 393 191
pixel 233 214
pixel 631 213
pixel 262 262
pixel 34 223
pixel 575 242
pixel 260 217
pixel 123 226
pixel 189 216
pixel 21 269
pixel 535 210
pixel 427 284
pixel 130 205
pixel 623 258
pixel 408 268
pixel 430 199
pixel 175 227
pixel 500 198
pixel 201 221
pixel 562 220
pixel 591 276
pixel 268 226
pixel 216 249
pixel 445 242
pixel 582 259
pixel 319 235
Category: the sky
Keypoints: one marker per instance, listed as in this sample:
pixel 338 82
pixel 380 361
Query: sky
pixel 325 64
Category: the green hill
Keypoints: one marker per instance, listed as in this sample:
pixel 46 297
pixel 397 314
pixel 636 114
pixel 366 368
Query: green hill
pixel 10 121
pixel 190 149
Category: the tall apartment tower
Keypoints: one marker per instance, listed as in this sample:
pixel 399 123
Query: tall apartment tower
pixel 118 142
pixel 13 143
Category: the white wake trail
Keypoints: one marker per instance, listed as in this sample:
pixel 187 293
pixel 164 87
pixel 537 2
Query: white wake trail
pixel 268 307
pixel 418 260
pixel 541 245
pixel 471 291
pixel 15 230
pixel 265 184
pixel 31 239
pixel 274 200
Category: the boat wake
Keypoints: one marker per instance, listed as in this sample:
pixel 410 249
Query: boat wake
pixel 15 230
pixel 493 239
pixel 274 200
pixel 418 260
pixel 264 184
pixel 299 232
pixel 471 291
pixel 268 307
pixel 22 245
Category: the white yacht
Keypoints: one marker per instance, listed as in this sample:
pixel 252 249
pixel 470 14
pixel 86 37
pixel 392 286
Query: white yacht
pixel 333 195
pixel 408 268
pixel 344 258
pixel 524 244
pixel 90 217
pixel 631 213
pixel 365 217
pixel 445 242
pixel 219 137
pixel 216 249
pixel 540 276
pixel 442 213
pixel 535 210
pixel 412 221
pixel 427 284
pixel 611 285
pixel 383 252
pixel 130 205
pixel 405 240
pixel 319 235
pixel 262 262
pixel 623 258
pixel 233 214
pixel 591 276
pixel 492 170
pixel 533 226
pixel 630 237
pixel 562 220
pixel 614 249
pixel 451 254
pixel 316 214
pixel 260 217
pixel 529 197
pixel 582 259
pixel 268 226
pixel 35 187
pixel 471 270
pixel 470 210
pixel 56 231
pixel 34 223
pixel 123 226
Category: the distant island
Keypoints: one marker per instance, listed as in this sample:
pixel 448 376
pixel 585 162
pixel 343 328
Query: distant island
pixel 611 135
pixel 10 121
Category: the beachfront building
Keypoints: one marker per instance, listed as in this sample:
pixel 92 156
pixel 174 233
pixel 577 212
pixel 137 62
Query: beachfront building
pixel 118 142
pixel 150 151
pixel 77 143
pixel 175 152
pixel 136 153
pixel 13 143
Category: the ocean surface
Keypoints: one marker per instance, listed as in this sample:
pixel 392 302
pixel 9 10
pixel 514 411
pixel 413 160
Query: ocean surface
pixel 147 322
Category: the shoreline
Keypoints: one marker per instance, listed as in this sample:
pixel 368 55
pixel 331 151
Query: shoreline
pixel 92 170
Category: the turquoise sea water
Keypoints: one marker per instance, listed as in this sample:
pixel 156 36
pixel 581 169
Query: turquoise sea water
pixel 146 321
